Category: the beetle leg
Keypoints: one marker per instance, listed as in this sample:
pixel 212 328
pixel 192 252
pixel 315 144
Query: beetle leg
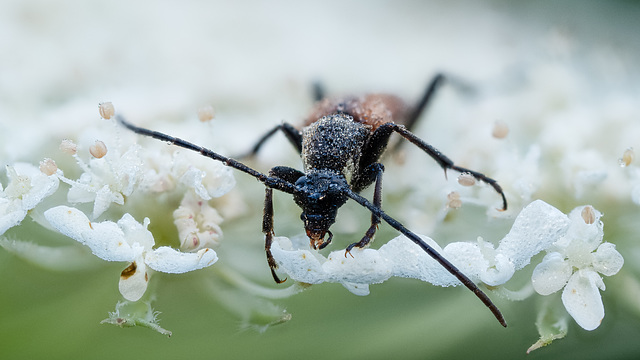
pixel 267 229
pixel 440 158
pixel 289 175
pixel 293 135
pixel 424 101
pixel 318 91
pixel 374 170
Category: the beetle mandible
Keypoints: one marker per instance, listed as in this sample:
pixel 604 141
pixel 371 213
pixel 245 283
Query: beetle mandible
pixel 342 137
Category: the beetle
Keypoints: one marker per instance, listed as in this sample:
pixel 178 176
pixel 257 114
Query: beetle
pixel 342 137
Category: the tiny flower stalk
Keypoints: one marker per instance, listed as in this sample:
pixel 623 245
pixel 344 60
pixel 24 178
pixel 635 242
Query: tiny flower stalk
pixel 138 313
pixel 552 323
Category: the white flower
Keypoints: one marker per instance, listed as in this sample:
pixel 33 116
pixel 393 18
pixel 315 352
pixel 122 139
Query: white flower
pixel 207 177
pixel 573 263
pixel 197 223
pixel 27 187
pixel 106 180
pixel 127 240
pixel 535 229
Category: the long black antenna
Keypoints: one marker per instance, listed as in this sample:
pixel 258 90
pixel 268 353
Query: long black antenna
pixel 269 181
pixel 429 250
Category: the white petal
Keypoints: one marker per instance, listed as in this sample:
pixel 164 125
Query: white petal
pixel 473 262
pixel 69 221
pixel 301 265
pixel 171 261
pixel 582 299
pixel 399 257
pixel 193 178
pixel 208 178
pixel 104 198
pixel 134 280
pixel 79 193
pixel 9 217
pixel 536 228
pixel 551 274
pixel 607 260
pixel 136 233
pixel 366 266
pixel 41 185
pixel 589 236
pixel 409 260
pixel 219 180
pixel 129 170
pixel 106 240
pixel 501 272
pixel 354 273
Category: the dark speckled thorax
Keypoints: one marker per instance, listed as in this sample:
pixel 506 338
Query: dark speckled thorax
pixel 334 143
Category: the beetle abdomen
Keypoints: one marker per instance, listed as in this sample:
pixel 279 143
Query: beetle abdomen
pixel 372 109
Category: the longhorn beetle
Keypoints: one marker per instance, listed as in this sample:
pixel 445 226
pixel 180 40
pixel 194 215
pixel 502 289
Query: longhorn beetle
pixel 342 137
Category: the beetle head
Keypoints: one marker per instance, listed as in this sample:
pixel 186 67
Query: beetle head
pixel 320 194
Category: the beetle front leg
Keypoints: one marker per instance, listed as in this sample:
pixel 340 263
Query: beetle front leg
pixel 290 176
pixel 267 229
pixel 373 171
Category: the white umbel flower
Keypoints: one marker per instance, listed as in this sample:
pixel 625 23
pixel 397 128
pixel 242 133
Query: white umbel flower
pixel 574 263
pixel 27 187
pixel 127 240
pixel 534 230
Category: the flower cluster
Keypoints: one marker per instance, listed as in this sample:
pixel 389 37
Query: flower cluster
pixel 27 187
pixel 123 189
pixel 573 263
pixel 114 178
pixel 575 256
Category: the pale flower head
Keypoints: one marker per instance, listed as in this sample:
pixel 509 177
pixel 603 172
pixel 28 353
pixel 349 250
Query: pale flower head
pixel 574 263
pixel 208 178
pixel 535 229
pixel 27 187
pixel 129 241
pixel 107 179
pixel 197 223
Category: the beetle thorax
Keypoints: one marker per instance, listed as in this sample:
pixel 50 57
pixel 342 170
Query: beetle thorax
pixel 333 143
